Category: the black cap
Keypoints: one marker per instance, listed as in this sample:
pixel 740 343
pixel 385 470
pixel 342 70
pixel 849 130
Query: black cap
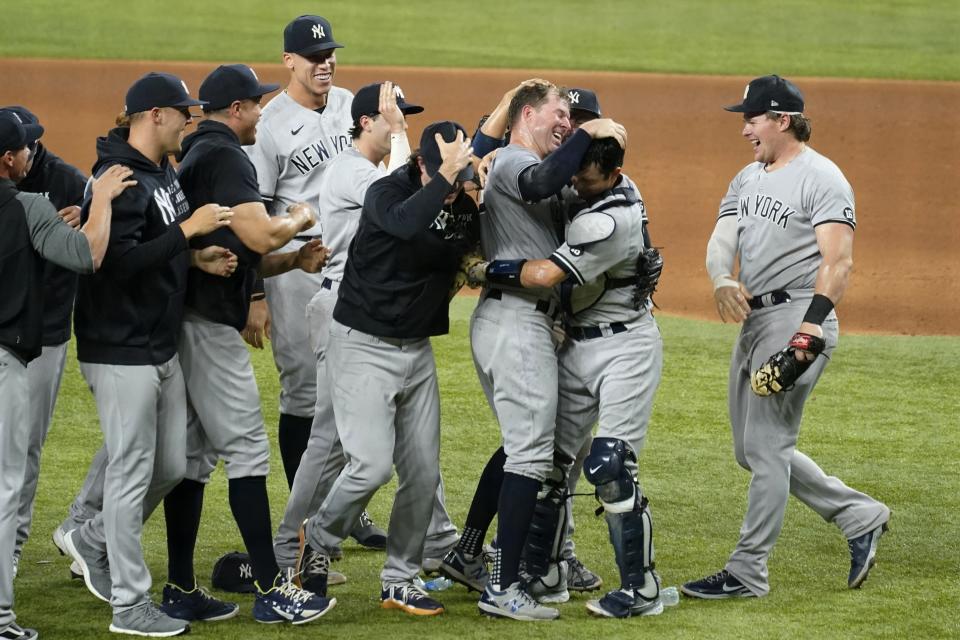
pixel 230 82
pixel 309 34
pixel 156 90
pixel 367 102
pixel 430 152
pixel 15 134
pixel 770 93
pixel 584 100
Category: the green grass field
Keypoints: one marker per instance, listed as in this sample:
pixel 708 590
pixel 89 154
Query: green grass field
pixel 895 440
pixel 856 38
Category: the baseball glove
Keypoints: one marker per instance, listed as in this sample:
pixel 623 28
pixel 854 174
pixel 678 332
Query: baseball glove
pixel 781 371
pixel 465 275
pixel 649 268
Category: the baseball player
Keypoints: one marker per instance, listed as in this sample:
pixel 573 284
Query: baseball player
pixel 510 330
pixel 380 367
pixel 128 317
pixel 224 416
pixel 63 185
pixel 609 368
pixel 379 128
pixel 32 233
pixel 789 216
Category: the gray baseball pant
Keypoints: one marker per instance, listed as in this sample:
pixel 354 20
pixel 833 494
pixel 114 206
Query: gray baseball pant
pixel 89 500
pixel 143 415
pixel 387 407
pixel 324 459
pixel 765 431
pixel 14 432
pixel 44 375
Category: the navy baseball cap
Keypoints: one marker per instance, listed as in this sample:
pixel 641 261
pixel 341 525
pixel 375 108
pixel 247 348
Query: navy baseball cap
pixel 157 90
pixel 230 82
pixel 770 93
pixel 308 34
pixel 367 102
pixel 15 134
pixel 584 100
pixel 430 152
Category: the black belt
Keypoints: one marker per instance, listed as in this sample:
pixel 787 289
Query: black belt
pixel 588 333
pixel 769 299
pixel 543 306
pixel 327 283
pixel 306 238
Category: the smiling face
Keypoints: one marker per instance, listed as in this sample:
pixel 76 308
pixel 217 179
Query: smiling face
pixel 548 124
pixel 248 115
pixel 311 76
pixel 172 124
pixel 769 136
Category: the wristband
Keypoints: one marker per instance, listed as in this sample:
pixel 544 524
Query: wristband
pixel 725 281
pixel 505 272
pixel 256 297
pixel 820 307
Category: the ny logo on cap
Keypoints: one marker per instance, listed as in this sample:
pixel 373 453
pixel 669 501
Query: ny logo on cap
pixel 318 32
pixel 746 91
pixel 574 97
pixel 399 93
pixel 774 103
pixel 255 77
pixel 185 90
pixel 15 115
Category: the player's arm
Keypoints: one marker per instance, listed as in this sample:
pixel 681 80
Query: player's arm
pixel 399 144
pixel 311 257
pixel 835 241
pixel 730 296
pixel 263 233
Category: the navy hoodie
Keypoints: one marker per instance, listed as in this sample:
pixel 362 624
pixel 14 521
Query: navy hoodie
pixel 130 311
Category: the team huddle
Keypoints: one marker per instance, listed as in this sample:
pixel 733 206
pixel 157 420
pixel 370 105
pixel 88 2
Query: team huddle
pixel 308 219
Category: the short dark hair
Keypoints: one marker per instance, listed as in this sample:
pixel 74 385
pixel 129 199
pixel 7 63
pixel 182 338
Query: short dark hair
pixel 606 153
pixel 356 129
pixel 799 124
pixel 534 94
pixel 413 166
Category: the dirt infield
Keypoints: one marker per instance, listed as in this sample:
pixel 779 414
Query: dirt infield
pixel 897 143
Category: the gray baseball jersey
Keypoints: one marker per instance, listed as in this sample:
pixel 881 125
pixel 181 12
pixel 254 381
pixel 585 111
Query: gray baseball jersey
pixel 294 144
pixel 511 228
pixel 776 215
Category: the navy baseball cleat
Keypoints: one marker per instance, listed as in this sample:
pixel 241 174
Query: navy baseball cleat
pixel 719 585
pixel 286 602
pixel 313 566
pixel 580 578
pixel 195 605
pixel 410 598
pixel 368 534
pixel 470 571
pixel 623 603
pixel 863 555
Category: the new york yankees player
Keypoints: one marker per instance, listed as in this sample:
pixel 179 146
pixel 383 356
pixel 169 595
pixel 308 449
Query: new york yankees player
pixel 63 185
pixel 301 130
pixel 381 370
pixel 32 234
pixel 128 316
pixel 789 215
pixel 224 415
pixel 510 330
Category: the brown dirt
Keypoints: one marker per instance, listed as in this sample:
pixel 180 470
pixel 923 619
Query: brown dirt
pixel 897 143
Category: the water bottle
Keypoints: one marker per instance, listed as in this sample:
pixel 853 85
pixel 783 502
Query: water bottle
pixel 669 596
pixel 439 583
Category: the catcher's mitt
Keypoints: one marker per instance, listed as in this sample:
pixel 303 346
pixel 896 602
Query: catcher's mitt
pixel 470 265
pixel 781 371
pixel 649 268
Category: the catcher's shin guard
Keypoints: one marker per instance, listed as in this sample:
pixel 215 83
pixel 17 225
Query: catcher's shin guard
pixel 548 526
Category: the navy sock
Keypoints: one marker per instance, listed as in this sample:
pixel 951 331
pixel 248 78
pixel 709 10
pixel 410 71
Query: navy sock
pixel 484 505
pixel 293 435
pixel 518 497
pixel 251 510
pixel 182 508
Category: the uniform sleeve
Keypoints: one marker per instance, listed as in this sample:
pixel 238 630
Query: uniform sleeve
pixel 586 262
pixel 403 217
pixel 263 155
pixel 507 167
pixel 730 204
pixel 233 179
pixel 55 240
pixel 831 199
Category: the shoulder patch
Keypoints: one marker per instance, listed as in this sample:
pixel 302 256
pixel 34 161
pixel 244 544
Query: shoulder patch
pixel 589 228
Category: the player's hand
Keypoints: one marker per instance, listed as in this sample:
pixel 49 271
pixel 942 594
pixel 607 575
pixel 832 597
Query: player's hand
pixel 733 302
pixel 312 256
pixel 455 155
pixel 207 218
pixel 113 181
pixel 813 330
pixel 483 170
pixel 606 128
pixel 389 110
pixel 305 212
pixel 258 324
pixel 70 215
pixel 214 260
